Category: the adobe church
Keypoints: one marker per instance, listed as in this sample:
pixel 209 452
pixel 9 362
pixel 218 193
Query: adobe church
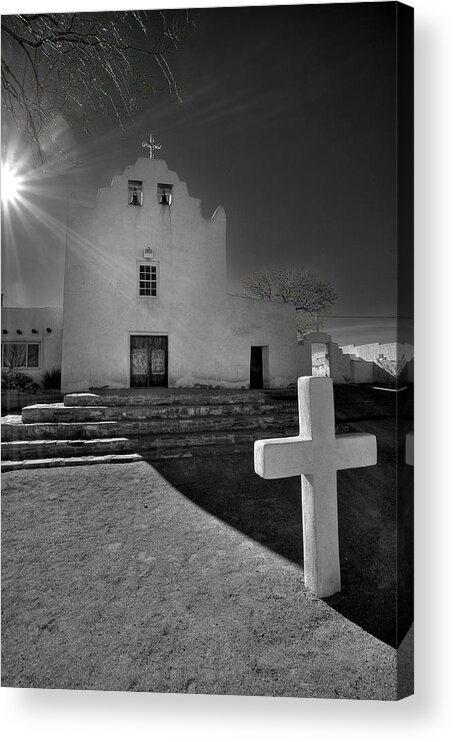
pixel 145 300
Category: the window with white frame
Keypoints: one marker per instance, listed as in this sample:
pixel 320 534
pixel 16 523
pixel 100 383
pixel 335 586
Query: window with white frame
pixel 148 279
pixel 20 355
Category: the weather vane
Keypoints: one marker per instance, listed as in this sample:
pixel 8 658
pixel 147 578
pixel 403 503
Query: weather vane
pixel 152 145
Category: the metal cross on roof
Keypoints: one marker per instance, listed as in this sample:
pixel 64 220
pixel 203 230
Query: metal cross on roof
pixel 152 145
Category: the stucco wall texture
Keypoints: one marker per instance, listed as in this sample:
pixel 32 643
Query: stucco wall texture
pixel 210 333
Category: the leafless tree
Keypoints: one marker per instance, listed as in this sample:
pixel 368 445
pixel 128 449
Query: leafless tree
pixel 86 66
pixel 14 356
pixel 311 295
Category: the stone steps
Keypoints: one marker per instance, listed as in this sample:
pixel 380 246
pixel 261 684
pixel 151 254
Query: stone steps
pixel 52 449
pixel 138 398
pixel 120 426
pixel 128 458
pixel 42 413
pixel 69 461
pixel 13 429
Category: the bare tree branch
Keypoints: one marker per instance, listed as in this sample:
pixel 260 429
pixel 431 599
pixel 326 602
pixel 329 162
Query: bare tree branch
pixel 86 66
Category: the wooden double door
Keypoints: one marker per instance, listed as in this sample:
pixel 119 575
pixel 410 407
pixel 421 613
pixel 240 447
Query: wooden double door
pixel 149 360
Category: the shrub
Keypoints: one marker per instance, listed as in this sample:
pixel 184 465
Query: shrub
pixel 18 382
pixel 51 379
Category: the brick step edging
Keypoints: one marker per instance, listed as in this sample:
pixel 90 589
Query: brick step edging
pixel 26 450
pixel 18 431
pixel 17 450
pixel 132 399
pixel 131 458
pixel 50 413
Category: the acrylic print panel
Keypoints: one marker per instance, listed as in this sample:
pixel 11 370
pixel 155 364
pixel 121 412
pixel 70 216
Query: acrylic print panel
pixel 217 498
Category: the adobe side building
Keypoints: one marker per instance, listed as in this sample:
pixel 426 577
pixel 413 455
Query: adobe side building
pixel 145 301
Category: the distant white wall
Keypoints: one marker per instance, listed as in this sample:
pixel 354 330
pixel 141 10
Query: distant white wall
pixel 377 362
pixel 371 351
pixel 390 360
pixel 390 351
pixel 41 319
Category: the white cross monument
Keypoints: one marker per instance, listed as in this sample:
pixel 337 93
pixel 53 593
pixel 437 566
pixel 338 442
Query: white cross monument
pixel 316 454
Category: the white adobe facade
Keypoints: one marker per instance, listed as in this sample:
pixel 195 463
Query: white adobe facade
pixel 145 301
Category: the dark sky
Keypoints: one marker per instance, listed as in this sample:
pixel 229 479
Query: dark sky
pixel 289 124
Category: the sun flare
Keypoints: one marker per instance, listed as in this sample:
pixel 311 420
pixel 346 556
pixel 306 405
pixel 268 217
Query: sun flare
pixel 11 184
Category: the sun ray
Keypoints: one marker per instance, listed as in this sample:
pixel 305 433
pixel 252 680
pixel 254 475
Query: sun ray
pixel 11 184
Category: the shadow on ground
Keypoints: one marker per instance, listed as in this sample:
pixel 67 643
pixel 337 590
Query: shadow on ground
pixel 269 511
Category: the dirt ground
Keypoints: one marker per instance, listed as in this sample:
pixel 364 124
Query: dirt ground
pixel 186 576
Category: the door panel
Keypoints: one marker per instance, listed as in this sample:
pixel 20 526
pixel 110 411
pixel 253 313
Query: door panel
pixel 158 360
pixel 139 361
pixel 149 360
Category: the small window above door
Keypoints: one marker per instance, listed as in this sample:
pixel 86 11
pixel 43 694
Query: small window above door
pixel 148 279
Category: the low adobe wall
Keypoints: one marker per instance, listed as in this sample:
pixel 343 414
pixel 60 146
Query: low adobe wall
pixel 345 368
